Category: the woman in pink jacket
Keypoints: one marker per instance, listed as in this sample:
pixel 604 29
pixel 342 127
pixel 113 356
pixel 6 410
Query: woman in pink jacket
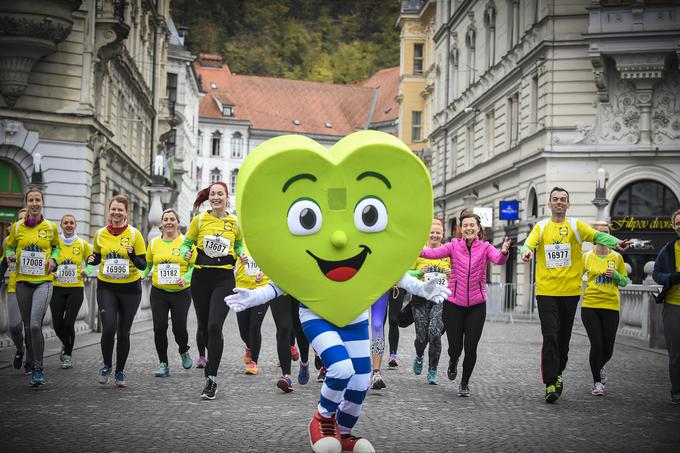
pixel 464 312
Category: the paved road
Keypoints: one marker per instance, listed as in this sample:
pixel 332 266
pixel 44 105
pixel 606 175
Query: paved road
pixel 505 413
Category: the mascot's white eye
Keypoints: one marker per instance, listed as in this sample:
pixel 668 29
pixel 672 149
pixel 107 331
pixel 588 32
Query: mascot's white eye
pixel 304 217
pixel 370 215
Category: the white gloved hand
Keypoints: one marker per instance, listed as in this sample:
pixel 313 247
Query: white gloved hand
pixel 243 298
pixel 429 290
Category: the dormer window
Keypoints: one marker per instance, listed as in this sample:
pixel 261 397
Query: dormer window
pixel 213 85
pixel 228 110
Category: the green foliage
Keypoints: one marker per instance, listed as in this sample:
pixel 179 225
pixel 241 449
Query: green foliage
pixel 340 41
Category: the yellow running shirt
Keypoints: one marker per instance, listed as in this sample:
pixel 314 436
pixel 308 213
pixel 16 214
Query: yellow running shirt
pixel 559 259
pixel 673 295
pixel 214 238
pixel 33 247
pixel 246 273
pixel 435 270
pixel 70 263
pixel 168 264
pixel 116 266
pixel 602 291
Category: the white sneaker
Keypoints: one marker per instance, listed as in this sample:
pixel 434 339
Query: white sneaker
pixel 603 376
pixel 598 389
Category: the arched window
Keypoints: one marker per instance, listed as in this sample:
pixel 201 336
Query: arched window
pixel 237 146
pixel 532 204
pixel 490 43
pixel 470 43
pixel 644 198
pixel 215 175
pixel 232 181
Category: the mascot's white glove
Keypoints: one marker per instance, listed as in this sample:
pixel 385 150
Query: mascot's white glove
pixel 428 290
pixel 243 298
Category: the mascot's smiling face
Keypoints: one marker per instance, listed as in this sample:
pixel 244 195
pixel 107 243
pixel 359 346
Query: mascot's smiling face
pixel 334 228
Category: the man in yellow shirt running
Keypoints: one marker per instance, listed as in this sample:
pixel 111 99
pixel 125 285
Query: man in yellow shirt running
pixel 558 282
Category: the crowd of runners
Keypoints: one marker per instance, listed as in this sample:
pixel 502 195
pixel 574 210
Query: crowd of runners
pixel 47 268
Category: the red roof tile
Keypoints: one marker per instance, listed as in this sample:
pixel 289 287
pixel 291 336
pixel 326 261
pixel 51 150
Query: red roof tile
pixel 387 108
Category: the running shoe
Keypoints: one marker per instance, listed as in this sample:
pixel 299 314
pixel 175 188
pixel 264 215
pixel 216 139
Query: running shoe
pixel 187 363
pixel 163 370
pixel 393 362
pixel 120 379
pixel 432 377
pixel 463 390
pixel 201 362
pixel 61 355
pixel 418 365
pixel 452 370
pixel 324 435
pixel 37 377
pixel 598 389
pixel 210 390
pixel 322 375
pixel 377 382
pixel 294 353
pixel 675 399
pixel 318 364
pixel 18 360
pixel 559 385
pixel 285 384
pixel 246 357
pixel 550 394
pixel 355 444
pixel 66 362
pixel 603 376
pixel 28 368
pixel 251 369
pixel 303 374
pixel 104 375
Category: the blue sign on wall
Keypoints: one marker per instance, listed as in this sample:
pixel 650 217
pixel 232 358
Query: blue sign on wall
pixel 509 210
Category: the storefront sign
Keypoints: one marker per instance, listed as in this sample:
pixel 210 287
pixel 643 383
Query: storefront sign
pixel 8 213
pixel 508 210
pixel 631 223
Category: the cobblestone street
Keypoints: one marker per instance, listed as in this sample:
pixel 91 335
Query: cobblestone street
pixel 505 413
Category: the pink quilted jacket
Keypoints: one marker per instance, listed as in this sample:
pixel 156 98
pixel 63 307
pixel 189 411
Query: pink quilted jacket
pixel 468 268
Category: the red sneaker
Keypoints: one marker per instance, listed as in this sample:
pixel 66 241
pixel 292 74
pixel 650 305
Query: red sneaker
pixel 246 357
pixel 324 435
pixel 294 353
pixel 355 444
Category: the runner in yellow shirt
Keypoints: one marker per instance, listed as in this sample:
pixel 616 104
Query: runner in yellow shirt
pixel 120 249
pixel 606 271
pixel 15 327
pixel 219 241
pixel 171 279
pixel 33 244
pixel 67 295
pixel 557 243
pixel 667 273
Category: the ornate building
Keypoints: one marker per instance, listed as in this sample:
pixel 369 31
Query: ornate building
pixel 535 94
pixel 81 84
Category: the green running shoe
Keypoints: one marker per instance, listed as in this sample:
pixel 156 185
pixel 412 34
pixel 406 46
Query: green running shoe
pixel 187 363
pixel 163 370
pixel 432 377
pixel 559 385
pixel 66 362
pixel 418 365
pixel 550 394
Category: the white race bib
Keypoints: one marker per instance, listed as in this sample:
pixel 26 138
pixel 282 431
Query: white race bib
pixel 440 277
pixel 67 273
pixel 167 273
pixel 251 268
pixel 216 246
pixel 557 255
pixel 32 263
pixel 116 268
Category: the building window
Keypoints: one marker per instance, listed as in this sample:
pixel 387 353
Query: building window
pixel 490 132
pixel 534 103
pixel 215 175
pixel 470 38
pixel 237 146
pixel 418 59
pixel 469 145
pixel 228 110
pixel 232 181
pixel 416 126
pixel 200 143
pixel 454 155
pixel 513 23
pixel 512 120
pixel 645 198
pixel 171 90
pixel 490 43
pixel 216 138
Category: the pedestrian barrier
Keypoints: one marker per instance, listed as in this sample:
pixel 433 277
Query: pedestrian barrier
pixel 510 301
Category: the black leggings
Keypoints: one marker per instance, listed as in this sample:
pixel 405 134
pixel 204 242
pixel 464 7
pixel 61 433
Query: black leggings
pixel 249 327
pixel 177 303
pixel 601 325
pixel 209 287
pixel 395 302
pixel 116 311
pixel 65 305
pixel 285 310
pixel 302 341
pixel 464 327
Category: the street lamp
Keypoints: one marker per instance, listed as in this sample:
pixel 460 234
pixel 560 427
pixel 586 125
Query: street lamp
pixel 600 201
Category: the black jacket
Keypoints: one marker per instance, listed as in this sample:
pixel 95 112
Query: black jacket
pixel 664 268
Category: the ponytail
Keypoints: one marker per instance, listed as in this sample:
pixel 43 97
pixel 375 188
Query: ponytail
pixel 204 194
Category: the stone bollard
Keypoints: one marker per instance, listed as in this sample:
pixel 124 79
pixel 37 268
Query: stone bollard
pixel 655 319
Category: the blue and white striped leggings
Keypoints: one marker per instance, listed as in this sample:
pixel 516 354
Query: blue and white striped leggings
pixel 345 352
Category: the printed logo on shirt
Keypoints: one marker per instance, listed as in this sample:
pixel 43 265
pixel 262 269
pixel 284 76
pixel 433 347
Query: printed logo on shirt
pixel 564 231
pixel 228 226
pixel 175 252
pixel 125 241
pixel 42 234
pixel 76 250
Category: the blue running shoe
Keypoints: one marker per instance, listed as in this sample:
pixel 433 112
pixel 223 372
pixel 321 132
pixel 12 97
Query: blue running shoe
pixel 104 375
pixel 120 379
pixel 162 371
pixel 28 368
pixel 37 377
pixel 418 365
pixel 62 354
pixel 187 363
pixel 432 377
pixel 303 374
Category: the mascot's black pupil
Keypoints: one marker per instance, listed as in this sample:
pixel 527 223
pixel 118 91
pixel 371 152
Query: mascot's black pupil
pixel 307 219
pixel 369 215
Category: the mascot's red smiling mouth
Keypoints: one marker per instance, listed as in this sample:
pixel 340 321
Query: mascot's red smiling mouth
pixel 343 270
